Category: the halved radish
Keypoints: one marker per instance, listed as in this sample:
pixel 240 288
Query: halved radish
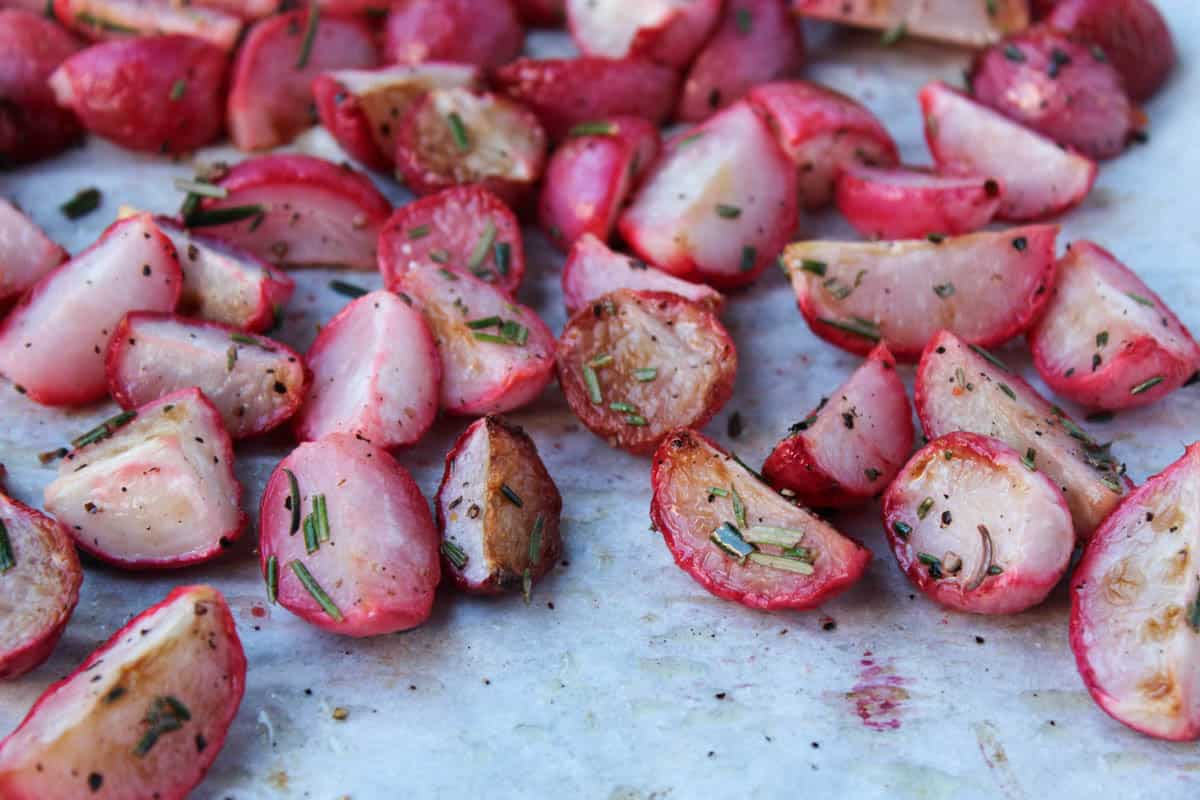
pixel 348 543
pixel 52 344
pixel 464 227
pixel 1106 340
pixel 496 355
pixel 822 132
pixel 455 136
pixel 32 126
pixel 376 374
pixel 667 31
pixel 985 287
pixel 977 527
pixel 852 444
pixel 637 365
pixel 144 716
pixel 498 510
pixel 270 99
pixel 1130 33
pixel 486 33
pixel 1135 607
pixel 39 586
pixel 912 203
pixel 297 211
pixel 1040 178
pixel 719 205
pixel 152 488
pixel 738 538
pixel 592 271
pixel 118 19
pixel 26 252
pixel 974 23
pixel 962 388
pixel 255 383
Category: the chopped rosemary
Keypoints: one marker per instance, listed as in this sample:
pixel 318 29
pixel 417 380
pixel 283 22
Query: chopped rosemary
pixel 1013 53
pixel 231 358
pixel 1020 244
pixel 1146 386
pixel 347 289
pixel 645 374
pixel 503 257
pixel 321 515
pixel 482 247
pixel 1004 387
pixel 454 554
pixel 535 555
pixel 902 529
pixel 242 338
pixel 310 34
pixel 933 562
pixel 944 290
pixel 1139 299
pixel 987 356
pixel 729 539
pixel 593 385
pixel 91 20
pixel 815 267
pixel 7 559
pixel 83 203
pixel 166 714
pixel 995 569
pixel 636 420
pixel 178 88
pixel 743 19
pixel 893 35
pixel 104 429
pixel 924 508
pixel 601 360
pixel 1112 484
pixel 458 131
pixel 511 496
pixel 772 535
pixel 1194 614
pixel 717 491
pixel 314 589
pixel 726 211
pixel 1100 416
pixel 205 218
pixel 1102 339
pixel 418 232
pixel 749 257
pixel 484 322
pixel 935 238
pixel 624 408
pixel 201 188
pixel 782 562
pixel 739 508
pixel 52 455
pixel 1030 460
pixel 872 473
pixel 835 287
pixel 858 327
pixel 598 128
pixel 272 579
pixel 311 542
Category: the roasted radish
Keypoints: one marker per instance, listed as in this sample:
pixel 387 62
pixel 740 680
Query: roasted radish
pixel 348 543
pixel 120 19
pixel 636 365
pixel 26 252
pixel 32 125
pixel 1132 34
pixel 912 203
pixel 965 22
pixel 667 31
pixel 486 33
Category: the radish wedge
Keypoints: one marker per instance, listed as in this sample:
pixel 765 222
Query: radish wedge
pixel 637 365
pixel 964 22
pixel 121 19
pixel 1106 340
pixel 985 287
pixel 1135 607
pixel 486 33
pixel 144 716
pixel 26 252
pixel 376 374
pixel 912 203
pixel 498 511
pixel 960 388
pixel 254 382
pixel 39 586
pixel 32 125
pixel 739 539
pixel 977 527
pixel 152 488
pixel 1132 34
pixel 667 31
pixel 348 543
pixel 852 445
pixel 52 344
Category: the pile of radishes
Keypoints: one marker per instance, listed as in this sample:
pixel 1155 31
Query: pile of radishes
pixel 171 316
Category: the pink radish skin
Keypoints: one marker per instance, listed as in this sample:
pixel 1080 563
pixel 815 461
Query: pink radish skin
pixel 1132 34
pixel 667 31
pixel 486 33
pixel 912 203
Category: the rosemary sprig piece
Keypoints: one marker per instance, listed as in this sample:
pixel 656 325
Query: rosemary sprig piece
pixel 310 583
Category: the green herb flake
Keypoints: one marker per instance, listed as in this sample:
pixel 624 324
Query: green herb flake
pixel 636 420
pixel 482 247
pixel 1030 460
pixel 815 267
pixel 242 338
pixel 310 34
pixel 592 381
pixel 645 374
pixel 601 360
pixel 995 569
pixel 902 529
pixel 726 211
pixel 1004 387
pixel 93 21
pixel 749 257
pixel 1020 244
pixel 272 579
pixel 458 131
pixel 347 289
pixel 454 554
pixel 200 188
pixel 692 137
pixel 7 559
pixel 872 473
pixel 311 542
pixel 227 215
pixel 933 562
pixel 484 322
pixel 104 429
pixel 511 496
pixel 321 517
pixel 595 128
pixel 989 357
pixel 165 715
pixel 717 491
pixel 310 583
pixel 944 290
pixel 925 507
pixel 1013 53
pixel 84 202
pixel 893 35
pixel 739 508
pixel 418 232
pixel 231 356
pixel 503 257
pixel 858 327
pixel 782 563
pixel 1112 484
pixel 178 89
pixel 1102 339
pixel 624 408
pixel 729 539
pixel 1146 386
pixel 743 20
pixel 1139 299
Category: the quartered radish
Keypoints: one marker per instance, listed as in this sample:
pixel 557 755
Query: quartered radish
pixel 719 205
pixel 1135 607
pixel 32 125
pixel 738 538
pixel 1040 178
pixel 496 355
pixel 144 716
pixel 913 202
pixel 52 344
pixel 822 132
pixel 852 444
pixel 1106 340
pixel 1132 34
pixel 119 19
pixel 466 228
pixel 486 33
pixel 977 527
pixel 498 510
pixel 974 23
pixel 152 488
pixel 254 382
pixel 348 543
pixel 667 31
pixel 636 365
pixel 985 287
pixel 297 211
pixel 592 271
pixel 962 388
pixel 26 252
pixel 39 586
pixel 376 374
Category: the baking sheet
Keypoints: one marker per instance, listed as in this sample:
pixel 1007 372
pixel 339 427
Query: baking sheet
pixel 624 679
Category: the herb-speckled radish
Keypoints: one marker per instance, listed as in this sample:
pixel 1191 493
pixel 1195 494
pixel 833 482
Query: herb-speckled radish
pixel 1132 34
pixel 486 33
pixel 144 716
pixel 26 252
pixel 32 125
pixel 912 203
pixel 348 543
pixel 967 22
pixel 667 31
pixel 121 19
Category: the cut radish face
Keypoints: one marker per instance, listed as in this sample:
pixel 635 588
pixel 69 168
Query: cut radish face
pixel 485 33
pixel 464 227
pixel 152 488
pixel 823 132
pixel 52 344
pixel 1040 178
pixel 144 716
pixel 119 19
pixel 966 22
pixel 1132 34
pixel 738 538
pixel 496 355
pixel 590 176
pixel 254 382
pixel 270 99
pixel 298 211
pixel 960 388
pixel 985 287
pixel 348 543
pixel 667 31
pixel 719 205
pixel 852 445
pixel 32 126
pixel 592 271
pixel 362 108
pixel 977 527
pixel 1135 607
pixel 636 365
pixel 498 510
pixel 455 136
pixel 1106 339
pixel 376 374
pixel 912 203
pixel 26 252
pixel 39 587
